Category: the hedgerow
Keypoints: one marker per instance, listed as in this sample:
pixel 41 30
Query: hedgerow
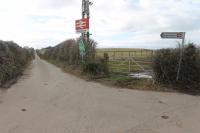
pixel 68 53
pixel 13 60
pixel 165 67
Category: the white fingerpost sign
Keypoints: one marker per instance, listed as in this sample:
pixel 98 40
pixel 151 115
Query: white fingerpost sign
pixel 176 35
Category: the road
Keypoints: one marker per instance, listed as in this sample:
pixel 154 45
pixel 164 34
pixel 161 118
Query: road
pixel 47 100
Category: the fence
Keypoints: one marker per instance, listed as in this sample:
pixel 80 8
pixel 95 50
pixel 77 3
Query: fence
pixel 129 61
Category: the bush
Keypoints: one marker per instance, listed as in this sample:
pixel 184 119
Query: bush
pixel 13 59
pixel 97 67
pixel 165 67
pixel 68 52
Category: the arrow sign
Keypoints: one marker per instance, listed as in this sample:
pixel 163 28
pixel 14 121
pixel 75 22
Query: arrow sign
pixel 173 35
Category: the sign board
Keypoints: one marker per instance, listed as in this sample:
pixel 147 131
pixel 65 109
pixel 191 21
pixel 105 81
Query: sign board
pixel 173 35
pixel 81 47
pixel 82 25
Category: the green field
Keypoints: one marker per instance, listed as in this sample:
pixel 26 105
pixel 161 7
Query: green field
pixel 128 60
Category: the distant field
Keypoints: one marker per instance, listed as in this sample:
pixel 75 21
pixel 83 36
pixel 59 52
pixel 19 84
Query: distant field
pixel 128 60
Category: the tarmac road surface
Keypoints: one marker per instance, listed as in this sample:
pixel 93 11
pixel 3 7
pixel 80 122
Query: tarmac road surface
pixel 47 100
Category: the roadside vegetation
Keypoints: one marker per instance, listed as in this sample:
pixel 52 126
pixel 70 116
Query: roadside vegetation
pixel 165 67
pixel 67 55
pixel 13 60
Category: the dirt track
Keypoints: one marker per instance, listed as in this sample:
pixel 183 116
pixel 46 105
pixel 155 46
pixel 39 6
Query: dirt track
pixel 46 100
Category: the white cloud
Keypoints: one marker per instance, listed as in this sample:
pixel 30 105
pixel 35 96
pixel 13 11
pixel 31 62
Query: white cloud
pixel 40 23
pixel 147 20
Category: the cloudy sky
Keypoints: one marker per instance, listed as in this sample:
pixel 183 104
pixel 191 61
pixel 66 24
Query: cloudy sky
pixel 114 23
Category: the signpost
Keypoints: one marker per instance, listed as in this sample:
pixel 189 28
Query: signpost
pixel 82 26
pixel 176 35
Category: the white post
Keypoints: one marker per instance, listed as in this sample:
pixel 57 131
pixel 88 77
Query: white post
pixel 181 58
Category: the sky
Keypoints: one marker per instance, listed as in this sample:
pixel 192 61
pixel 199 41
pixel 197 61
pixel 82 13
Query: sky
pixel 113 24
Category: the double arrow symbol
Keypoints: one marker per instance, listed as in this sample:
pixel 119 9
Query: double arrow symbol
pixel 81 24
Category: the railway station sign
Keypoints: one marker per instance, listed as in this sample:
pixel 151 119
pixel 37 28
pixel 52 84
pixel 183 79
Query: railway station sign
pixel 82 25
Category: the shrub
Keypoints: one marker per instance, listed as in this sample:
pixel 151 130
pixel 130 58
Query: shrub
pixel 96 67
pixel 165 67
pixel 13 59
pixel 190 70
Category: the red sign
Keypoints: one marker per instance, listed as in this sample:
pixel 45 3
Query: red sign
pixel 82 25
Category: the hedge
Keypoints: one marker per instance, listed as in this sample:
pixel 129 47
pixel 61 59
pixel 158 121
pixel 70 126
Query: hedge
pixel 13 60
pixel 165 67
